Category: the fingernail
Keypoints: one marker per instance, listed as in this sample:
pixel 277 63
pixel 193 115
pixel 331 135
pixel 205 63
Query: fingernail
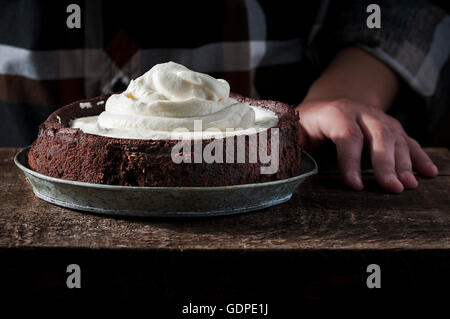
pixel 395 185
pixel 408 179
pixel 355 177
pixel 434 169
pixel 390 178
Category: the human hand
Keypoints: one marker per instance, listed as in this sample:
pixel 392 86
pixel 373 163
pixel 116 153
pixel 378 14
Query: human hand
pixel 351 125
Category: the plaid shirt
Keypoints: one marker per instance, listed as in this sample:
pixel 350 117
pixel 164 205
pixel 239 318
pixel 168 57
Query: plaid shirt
pixel 263 48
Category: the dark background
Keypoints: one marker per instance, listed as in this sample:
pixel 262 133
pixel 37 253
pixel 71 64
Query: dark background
pixel 168 279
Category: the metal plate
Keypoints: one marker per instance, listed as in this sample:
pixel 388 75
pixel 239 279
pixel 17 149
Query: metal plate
pixel 163 201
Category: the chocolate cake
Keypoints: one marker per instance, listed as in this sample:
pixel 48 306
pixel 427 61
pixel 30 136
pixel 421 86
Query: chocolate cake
pixel 69 153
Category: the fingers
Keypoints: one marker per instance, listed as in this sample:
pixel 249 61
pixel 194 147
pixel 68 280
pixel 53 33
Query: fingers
pixel 382 146
pixel 420 159
pixel 349 148
pixel 344 131
pixel 349 125
pixel 403 164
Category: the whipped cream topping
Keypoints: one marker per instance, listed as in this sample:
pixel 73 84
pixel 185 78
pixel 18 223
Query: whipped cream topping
pixel 172 102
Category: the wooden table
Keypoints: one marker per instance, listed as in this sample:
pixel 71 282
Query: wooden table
pixel 322 216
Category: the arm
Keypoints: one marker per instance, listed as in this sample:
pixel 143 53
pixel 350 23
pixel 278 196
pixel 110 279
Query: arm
pixel 346 104
pixel 355 75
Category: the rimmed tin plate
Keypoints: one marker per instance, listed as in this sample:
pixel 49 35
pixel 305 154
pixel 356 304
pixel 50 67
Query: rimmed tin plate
pixel 163 201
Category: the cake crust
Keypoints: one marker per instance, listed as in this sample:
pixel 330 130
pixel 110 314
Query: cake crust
pixel 64 152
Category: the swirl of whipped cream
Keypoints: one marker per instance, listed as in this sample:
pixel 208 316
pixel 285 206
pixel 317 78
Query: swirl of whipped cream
pixel 170 96
pixel 169 101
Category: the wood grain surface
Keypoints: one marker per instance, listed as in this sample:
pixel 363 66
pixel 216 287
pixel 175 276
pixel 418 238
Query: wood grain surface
pixel 322 214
